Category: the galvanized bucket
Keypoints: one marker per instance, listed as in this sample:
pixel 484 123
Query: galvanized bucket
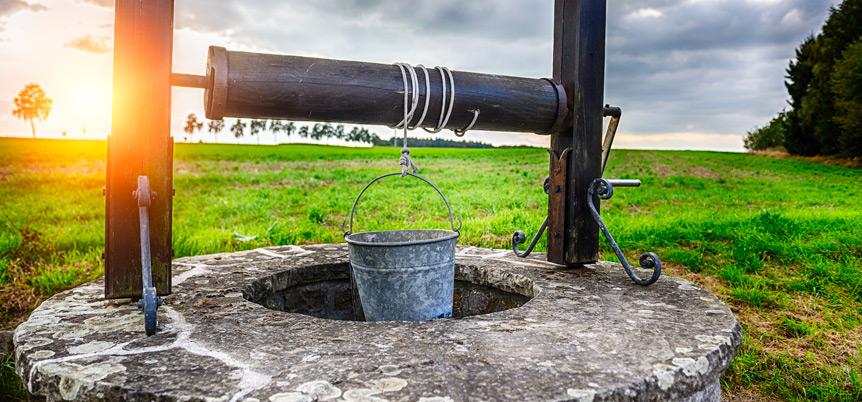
pixel 404 275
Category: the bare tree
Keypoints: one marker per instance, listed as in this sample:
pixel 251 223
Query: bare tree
pixel 32 104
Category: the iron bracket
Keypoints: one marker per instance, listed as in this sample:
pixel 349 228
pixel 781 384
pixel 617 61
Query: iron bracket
pixel 149 301
pixel 615 114
pixel 604 189
pixel 553 182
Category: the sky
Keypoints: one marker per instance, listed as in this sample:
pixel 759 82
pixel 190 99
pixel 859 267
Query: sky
pixel 688 74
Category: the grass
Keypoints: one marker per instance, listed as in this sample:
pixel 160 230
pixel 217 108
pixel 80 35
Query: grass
pixel 779 240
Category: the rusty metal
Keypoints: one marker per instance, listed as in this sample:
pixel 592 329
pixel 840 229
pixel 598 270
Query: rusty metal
pixel 615 113
pixel 557 205
pixel 189 80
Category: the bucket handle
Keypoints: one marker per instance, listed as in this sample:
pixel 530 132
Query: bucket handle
pixel 452 217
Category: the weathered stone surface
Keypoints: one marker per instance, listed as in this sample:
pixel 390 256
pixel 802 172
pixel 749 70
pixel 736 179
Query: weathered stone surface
pixel 5 345
pixel 586 334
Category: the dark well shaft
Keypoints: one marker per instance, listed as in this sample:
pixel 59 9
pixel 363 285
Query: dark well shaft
pixel 253 85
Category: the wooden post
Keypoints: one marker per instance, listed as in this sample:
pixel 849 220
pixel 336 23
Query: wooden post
pixel 579 64
pixel 140 144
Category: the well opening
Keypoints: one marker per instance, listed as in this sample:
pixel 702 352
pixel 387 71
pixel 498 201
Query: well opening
pixel 325 291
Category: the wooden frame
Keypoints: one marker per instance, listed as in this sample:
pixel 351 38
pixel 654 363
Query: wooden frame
pixel 141 142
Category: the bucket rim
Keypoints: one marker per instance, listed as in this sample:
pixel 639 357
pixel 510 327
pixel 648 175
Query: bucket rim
pixel 450 234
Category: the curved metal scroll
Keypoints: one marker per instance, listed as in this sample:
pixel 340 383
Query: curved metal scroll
pixel 452 216
pixel 520 237
pixel 604 189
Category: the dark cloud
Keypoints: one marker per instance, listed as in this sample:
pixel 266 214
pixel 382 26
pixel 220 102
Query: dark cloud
pixel 673 65
pixel 8 7
pixel 91 44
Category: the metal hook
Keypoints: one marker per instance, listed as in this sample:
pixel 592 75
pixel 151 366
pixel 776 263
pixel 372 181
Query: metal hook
pixel 461 132
pixel 604 189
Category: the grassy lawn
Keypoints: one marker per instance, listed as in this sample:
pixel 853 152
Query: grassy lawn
pixel 779 240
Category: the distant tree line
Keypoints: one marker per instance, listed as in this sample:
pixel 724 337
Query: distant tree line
pixel 824 82
pixel 432 143
pixel 255 128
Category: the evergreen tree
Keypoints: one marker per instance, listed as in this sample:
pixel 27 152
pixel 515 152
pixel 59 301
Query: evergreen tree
pixel 820 82
pixel 847 86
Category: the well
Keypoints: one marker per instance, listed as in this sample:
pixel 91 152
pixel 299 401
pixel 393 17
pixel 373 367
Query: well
pixel 278 324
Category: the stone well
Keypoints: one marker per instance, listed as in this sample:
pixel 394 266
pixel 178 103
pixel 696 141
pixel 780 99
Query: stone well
pixel 279 324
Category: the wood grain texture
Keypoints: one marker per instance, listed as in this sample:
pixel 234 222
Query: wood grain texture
pixel 579 54
pixel 140 144
pixel 314 89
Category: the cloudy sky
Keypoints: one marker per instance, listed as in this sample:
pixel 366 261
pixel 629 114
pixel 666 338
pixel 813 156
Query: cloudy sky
pixel 689 74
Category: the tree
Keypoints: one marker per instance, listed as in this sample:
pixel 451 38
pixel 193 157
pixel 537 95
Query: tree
pixel 192 125
pixel 847 87
pixel 275 126
pixel 32 104
pixel 256 127
pixel 767 137
pixel 814 125
pixel 800 138
pixel 288 129
pixel 215 127
pixel 238 129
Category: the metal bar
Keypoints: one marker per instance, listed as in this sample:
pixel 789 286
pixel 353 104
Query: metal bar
pixel 140 144
pixel 625 182
pixel 615 114
pixel 254 85
pixel 189 80
pixel 149 301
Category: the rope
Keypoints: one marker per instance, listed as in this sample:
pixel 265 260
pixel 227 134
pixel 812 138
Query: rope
pixel 411 104
pixel 406 161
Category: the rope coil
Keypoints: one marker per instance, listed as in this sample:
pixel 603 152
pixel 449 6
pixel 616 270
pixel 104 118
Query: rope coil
pixel 410 81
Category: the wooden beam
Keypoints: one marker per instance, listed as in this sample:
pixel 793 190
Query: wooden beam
pixel 140 144
pixel 579 63
pixel 268 86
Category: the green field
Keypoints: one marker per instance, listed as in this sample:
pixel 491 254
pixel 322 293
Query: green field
pixel 780 240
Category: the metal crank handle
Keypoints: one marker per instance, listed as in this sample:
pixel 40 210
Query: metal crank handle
pixel 150 301
pixel 604 189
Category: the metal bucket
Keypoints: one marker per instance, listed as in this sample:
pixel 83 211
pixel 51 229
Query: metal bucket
pixel 404 275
